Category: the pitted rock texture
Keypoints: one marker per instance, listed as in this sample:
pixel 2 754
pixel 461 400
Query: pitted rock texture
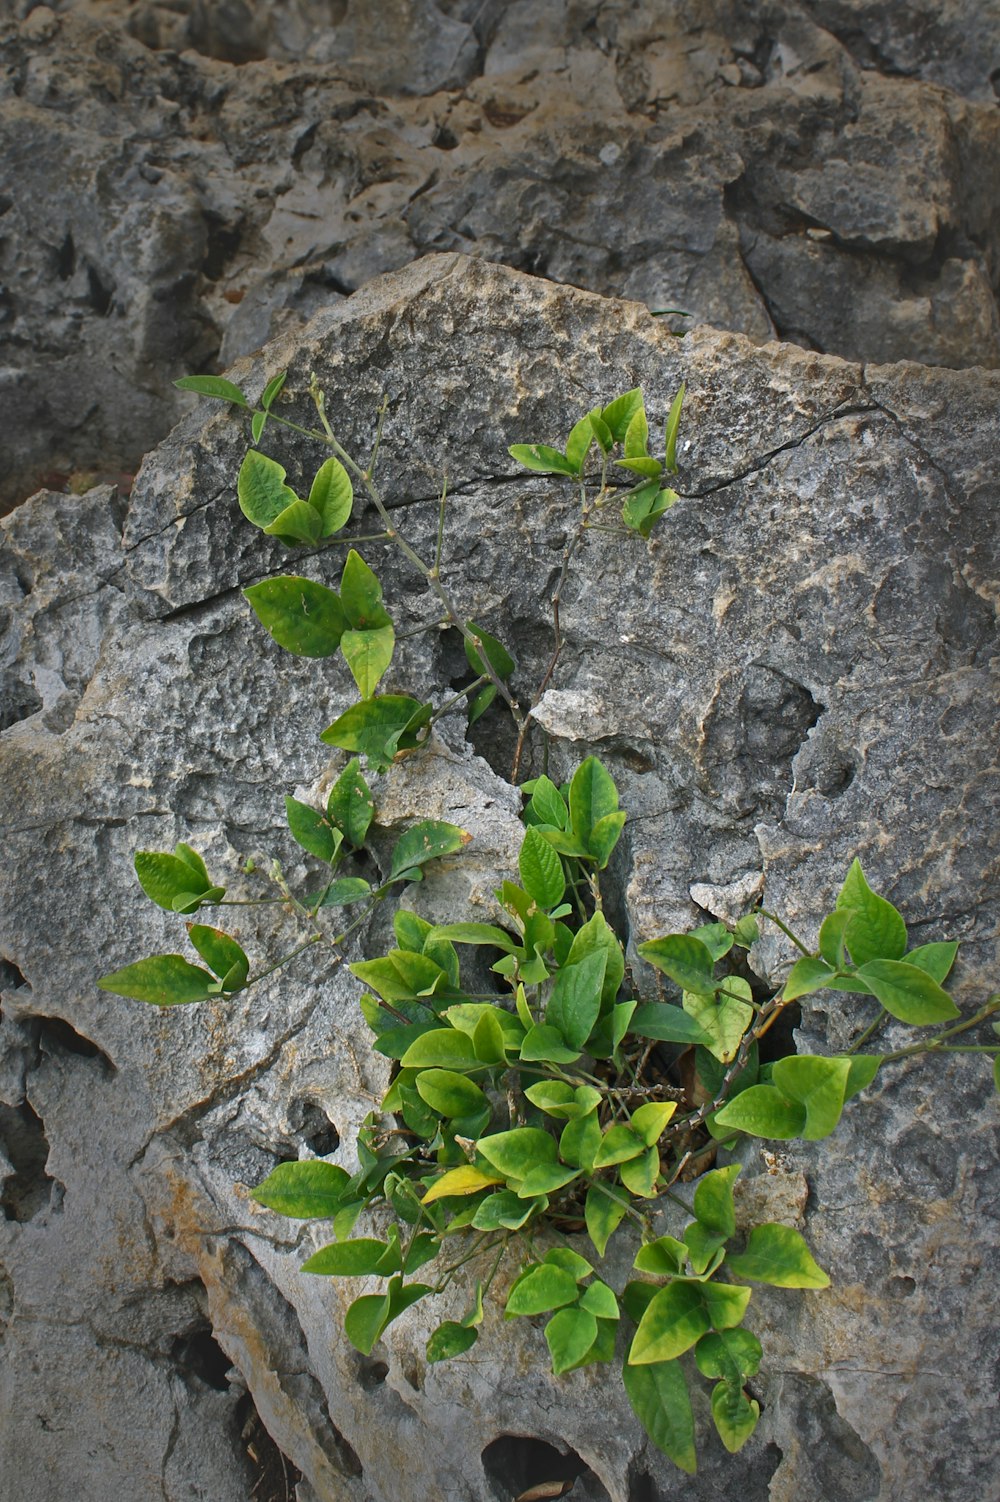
pixel 799 668
pixel 184 179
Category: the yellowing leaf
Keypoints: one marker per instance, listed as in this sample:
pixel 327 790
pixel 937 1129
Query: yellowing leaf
pixel 464 1180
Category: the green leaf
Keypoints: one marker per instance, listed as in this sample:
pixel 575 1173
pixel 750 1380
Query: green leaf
pixel 735 1415
pixel 731 1354
pixel 670 432
pixel 448 1093
pixel 713 1200
pixel 303 1191
pixel 543 1044
pixel 427 841
pixel 675 1319
pixel 332 495
pixel 402 975
pixel 704 1248
pixel 637 435
pixel 605 836
pixel 600 1300
pixel 494 651
pixel 601 431
pixel 907 992
pixel 618 1145
pixel 450 1339
pixel 724 1018
pixel 505 1211
pixel 165 980
pixel 272 389
pixel 541 870
pixel 831 937
pixel 643 464
pixel 222 954
pixel 618 414
pixel 542 458
pixel 685 959
pixel 592 796
pixel 875 930
pixel 569 1335
pixel 762 1111
pixel 517 1152
pixel 578 443
pixel 640 1175
pixel 350 806
pixel 347 1259
pixel 377 728
pixel 541 1288
pixel 664 1258
pixel 545 1180
pixel 660 1400
pixel 311 830
pixel 575 1001
pixel 726 1304
pixel 441 1048
pixel 650 1121
pixel 580 1141
pixel 298 522
pixel 936 959
pixel 864 1068
pixel 603 1215
pixel 365 1320
pixel 302 616
pixel 368 654
pixel 217 386
pixel 819 1084
pixel 779 1256
pixel 258 422
pixel 807 974
pixel 746 931
pixel 344 890
pixel 548 804
pixel 166 877
pixel 667 1024
pixel 490 1040
pixel 261 488
pixel 478 933
pixel 361 595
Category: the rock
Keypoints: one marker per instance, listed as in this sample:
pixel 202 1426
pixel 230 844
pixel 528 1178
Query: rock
pixel 799 668
pixel 191 179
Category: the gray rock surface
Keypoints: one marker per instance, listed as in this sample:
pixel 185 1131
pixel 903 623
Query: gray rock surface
pixel 801 667
pixel 183 180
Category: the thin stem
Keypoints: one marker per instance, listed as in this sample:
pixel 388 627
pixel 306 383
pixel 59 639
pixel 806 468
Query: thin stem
pixel 933 1045
pixel 378 436
pixel 785 930
pixel 869 1031
pixel 440 536
pixel 427 626
pixel 313 939
pixel 463 693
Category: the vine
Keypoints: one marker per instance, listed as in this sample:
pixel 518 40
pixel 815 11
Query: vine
pixel 549 1107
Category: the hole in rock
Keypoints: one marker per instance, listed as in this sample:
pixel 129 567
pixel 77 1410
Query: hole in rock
pixel 66 258
pixel 29 1189
pixel 197 1354
pixel 275 1478
pixel 444 139
pixel 18 701
pixel 55 1036
pixel 11 978
pixel 371 1374
pixel 223 243
pixel 311 1123
pixel 516 1462
pixel 98 295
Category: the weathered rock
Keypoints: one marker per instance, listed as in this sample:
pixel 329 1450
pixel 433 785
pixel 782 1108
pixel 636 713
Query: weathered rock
pixel 186 180
pixel 799 668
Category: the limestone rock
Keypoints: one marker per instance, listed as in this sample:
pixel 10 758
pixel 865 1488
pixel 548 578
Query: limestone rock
pixel 189 179
pixel 799 668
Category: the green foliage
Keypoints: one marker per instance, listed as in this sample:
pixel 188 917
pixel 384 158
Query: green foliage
pixel 522 1125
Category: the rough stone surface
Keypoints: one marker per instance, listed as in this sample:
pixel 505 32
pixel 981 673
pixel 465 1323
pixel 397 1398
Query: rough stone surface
pixel 185 179
pixel 800 668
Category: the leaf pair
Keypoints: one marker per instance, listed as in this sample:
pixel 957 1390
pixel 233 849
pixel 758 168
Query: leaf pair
pixel 311 620
pixel 270 504
pixel 167 980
